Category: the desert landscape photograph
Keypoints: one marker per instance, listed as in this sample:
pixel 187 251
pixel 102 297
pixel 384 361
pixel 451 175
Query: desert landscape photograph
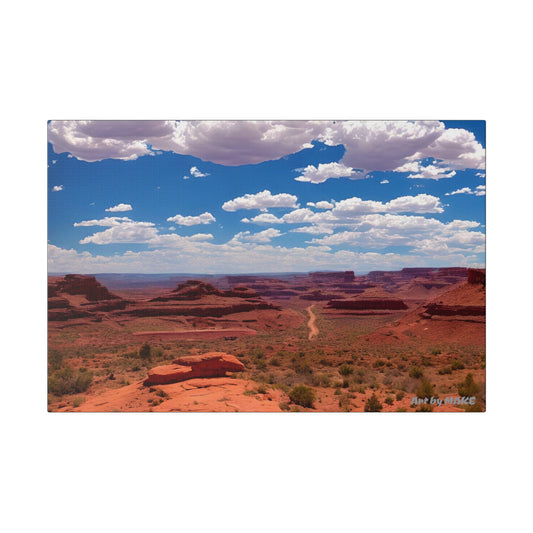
pixel 266 266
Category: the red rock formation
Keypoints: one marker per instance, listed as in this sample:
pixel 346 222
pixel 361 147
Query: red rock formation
pixel 67 314
pixel 317 296
pixel 84 285
pixel 454 310
pixel 190 290
pixel 57 302
pixel 369 303
pixel 200 310
pixel 342 277
pixel 476 275
pixel 208 365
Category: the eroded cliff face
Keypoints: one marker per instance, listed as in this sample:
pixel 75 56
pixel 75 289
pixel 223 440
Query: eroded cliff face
pixel 366 304
pixel 83 285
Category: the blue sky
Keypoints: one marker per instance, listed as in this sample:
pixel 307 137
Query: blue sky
pixel 266 196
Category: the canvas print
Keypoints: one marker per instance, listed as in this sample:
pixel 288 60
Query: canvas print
pixel 266 266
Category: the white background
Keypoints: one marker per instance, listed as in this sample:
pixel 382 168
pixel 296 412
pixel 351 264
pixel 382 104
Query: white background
pixel 245 472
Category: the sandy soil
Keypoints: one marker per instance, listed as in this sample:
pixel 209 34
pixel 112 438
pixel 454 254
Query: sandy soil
pixel 313 330
pixel 195 333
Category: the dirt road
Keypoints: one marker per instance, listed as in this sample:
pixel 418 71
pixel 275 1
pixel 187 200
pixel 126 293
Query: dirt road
pixel 313 330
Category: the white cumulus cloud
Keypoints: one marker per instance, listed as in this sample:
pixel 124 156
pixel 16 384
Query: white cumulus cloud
pixel 325 171
pixel 260 237
pixel 478 191
pixel 196 173
pixel 119 208
pixel 57 188
pixel 262 200
pixel 204 218
pixel 369 145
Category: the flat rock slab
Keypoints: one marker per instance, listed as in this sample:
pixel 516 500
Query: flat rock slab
pixel 208 365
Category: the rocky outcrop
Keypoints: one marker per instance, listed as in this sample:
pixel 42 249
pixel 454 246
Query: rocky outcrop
pixel 476 275
pixel 56 302
pixel 368 304
pixel 208 365
pixel 196 290
pixel 317 296
pixel 200 310
pixel 329 277
pixel 190 290
pixel 83 285
pixel 434 309
pixel 67 314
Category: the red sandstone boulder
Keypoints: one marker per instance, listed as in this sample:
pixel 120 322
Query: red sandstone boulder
pixel 208 365
pixel 212 360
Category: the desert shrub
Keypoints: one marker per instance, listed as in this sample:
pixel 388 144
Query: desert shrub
pixel 373 405
pixel 284 406
pixel 445 370
pixel 260 364
pixel 425 389
pixel 457 365
pixel 435 351
pixel 321 380
pixel 476 408
pixel 274 361
pixel 416 372
pixel 389 400
pixel 302 395
pixel 400 395
pixel 378 363
pixel 424 408
pixel 344 402
pixel 145 351
pixel 161 393
pixel 401 410
pixel 468 387
pixel 55 359
pixel 69 381
pixel 76 402
pixel 261 389
pixel 346 370
pixel 301 367
pixel 135 368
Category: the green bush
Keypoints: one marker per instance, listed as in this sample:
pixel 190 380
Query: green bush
pixel 425 390
pixel 468 387
pixel 69 381
pixel 76 402
pixel 457 365
pixel 400 395
pixel 346 370
pixel 445 370
pixel 55 359
pixel 302 395
pixel 373 405
pixel 416 372
pixel 145 352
